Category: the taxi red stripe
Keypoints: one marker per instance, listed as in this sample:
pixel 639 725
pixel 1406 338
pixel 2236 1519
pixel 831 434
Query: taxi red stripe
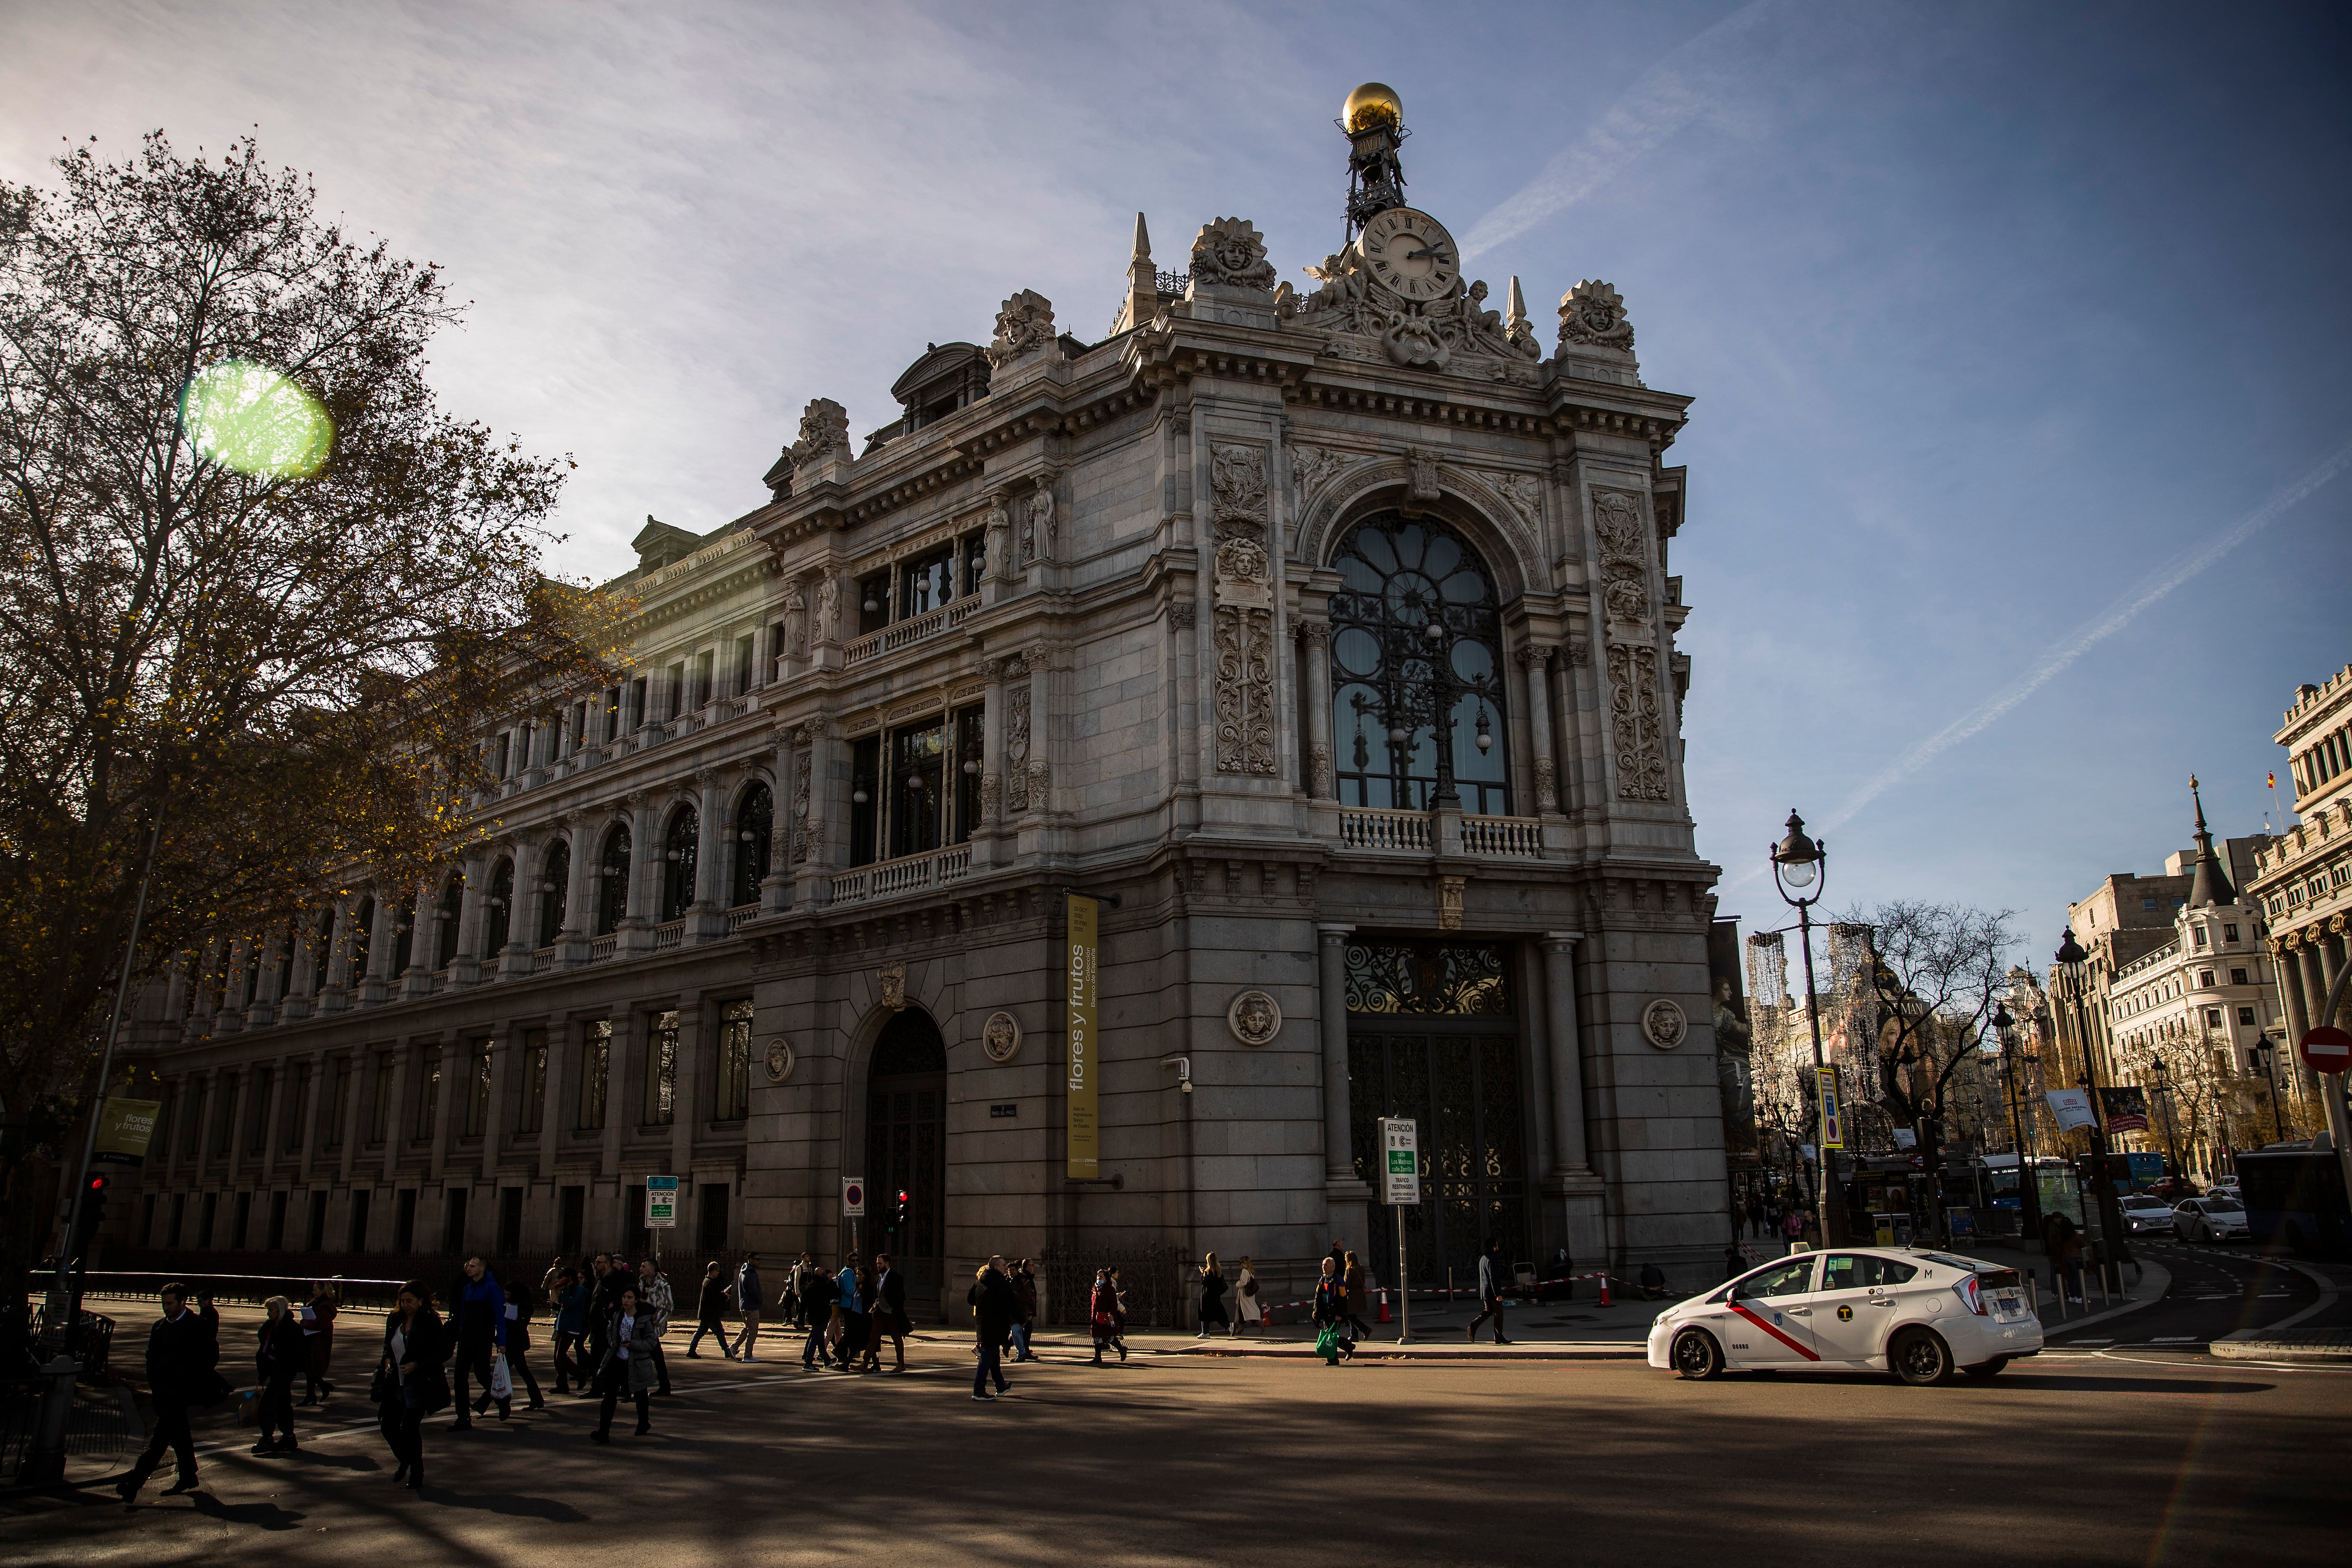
pixel 1809 1355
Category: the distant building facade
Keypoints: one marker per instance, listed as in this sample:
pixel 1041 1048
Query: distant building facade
pixel 1328 639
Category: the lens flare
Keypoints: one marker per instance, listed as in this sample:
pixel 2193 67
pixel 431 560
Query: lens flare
pixel 249 417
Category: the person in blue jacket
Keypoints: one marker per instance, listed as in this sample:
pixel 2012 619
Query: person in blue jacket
pixel 480 1320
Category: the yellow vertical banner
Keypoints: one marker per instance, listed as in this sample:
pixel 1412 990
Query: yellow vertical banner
pixel 1085 1128
pixel 1833 1113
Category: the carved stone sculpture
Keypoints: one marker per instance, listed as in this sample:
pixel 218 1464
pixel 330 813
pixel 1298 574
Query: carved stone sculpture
pixel 1663 1024
pixel 1038 536
pixel 1592 315
pixel 1625 557
pixel 796 617
pixel 828 608
pixel 1243 637
pixel 1424 483
pixel 1228 253
pixel 1001 1037
pixel 1024 325
pixel 1254 1017
pixel 1017 748
pixel 824 428
pixel 891 981
pixel 1636 727
pixel 1237 478
pixel 779 1061
pixel 1312 468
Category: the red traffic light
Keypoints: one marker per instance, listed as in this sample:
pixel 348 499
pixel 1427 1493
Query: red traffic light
pixel 902 1197
pixel 97 1184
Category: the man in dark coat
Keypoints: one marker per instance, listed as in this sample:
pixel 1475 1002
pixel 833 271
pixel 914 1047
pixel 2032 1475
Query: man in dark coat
pixel 183 1353
pixel 1492 1270
pixel 478 1316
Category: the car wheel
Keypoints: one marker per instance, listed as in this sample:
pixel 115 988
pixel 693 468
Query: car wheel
pixel 1696 1356
pixel 1920 1358
pixel 1986 1369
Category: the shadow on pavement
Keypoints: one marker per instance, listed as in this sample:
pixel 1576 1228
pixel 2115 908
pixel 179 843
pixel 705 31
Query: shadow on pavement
pixel 508 1504
pixel 266 1515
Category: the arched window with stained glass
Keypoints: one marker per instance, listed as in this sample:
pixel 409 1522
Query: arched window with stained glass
pixel 1416 670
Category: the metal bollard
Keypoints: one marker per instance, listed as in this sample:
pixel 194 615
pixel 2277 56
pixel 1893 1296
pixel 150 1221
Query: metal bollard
pixel 45 1465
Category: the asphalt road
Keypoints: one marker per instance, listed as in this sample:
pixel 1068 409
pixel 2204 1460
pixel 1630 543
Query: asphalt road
pixel 2216 1290
pixel 2077 1457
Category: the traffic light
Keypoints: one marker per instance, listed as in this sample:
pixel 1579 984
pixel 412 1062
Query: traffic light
pixel 93 1212
pixel 899 1212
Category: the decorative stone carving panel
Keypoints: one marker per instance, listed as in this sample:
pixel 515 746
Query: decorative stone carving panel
pixel 1254 1017
pixel 1663 1024
pixel 891 981
pixel 1228 253
pixel 1624 541
pixel 1017 748
pixel 1001 1037
pixel 1639 734
pixel 824 428
pixel 1245 649
pixel 1024 325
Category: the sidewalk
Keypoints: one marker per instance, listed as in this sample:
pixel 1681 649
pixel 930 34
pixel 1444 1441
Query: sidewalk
pixel 2324 1345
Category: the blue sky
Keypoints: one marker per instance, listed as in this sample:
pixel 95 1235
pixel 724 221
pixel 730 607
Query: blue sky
pixel 2018 333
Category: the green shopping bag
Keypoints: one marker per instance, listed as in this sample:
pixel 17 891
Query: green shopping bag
pixel 1327 1343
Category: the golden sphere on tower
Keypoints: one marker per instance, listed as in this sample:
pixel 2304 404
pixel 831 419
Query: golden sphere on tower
pixel 1374 105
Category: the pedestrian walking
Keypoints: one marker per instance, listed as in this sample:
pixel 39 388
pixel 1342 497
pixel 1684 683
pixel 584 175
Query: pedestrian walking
pixel 817 1290
pixel 410 1383
pixel 183 1373
pixel 627 1366
pixel 889 1314
pixel 1331 1311
pixel 276 1359
pixel 1248 1312
pixel 1025 1292
pixel 654 1297
pixel 571 1329
pixel 856 1283
pixel 994 1305
pixel 747 1301
pixel 1118 1313
pixel 1359 1286
pixel 1213 1297
pixel 1490 1292
pixel 319 1338
pixel 1792 1228
pixel 479 1317
pixel 2064 1242
pixel 710 1310
pixel 518 1311
pixel 1102 1315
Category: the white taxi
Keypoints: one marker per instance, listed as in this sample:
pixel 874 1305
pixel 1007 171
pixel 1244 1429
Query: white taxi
pixel 1920 1315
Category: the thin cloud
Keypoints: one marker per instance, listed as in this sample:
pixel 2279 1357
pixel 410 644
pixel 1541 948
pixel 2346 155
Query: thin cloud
pixel 1691 83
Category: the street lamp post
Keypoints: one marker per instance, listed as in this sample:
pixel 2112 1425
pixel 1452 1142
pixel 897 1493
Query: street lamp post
pixel 2028 1183
pixel 1798 863
pixel 2073 965
pixel 2267 1049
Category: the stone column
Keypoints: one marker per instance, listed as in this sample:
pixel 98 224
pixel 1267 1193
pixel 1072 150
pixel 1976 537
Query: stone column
pixel 237 1114
pixel 579 894
pixel 636 928
pixel 1331 1005
pixel 276 958
pixel 444 1101
pixel 1041 728
pixel 502 1047
pixel 465 969
pixel 405 1065
pixel 354 1063
pixel 776 886
pixel 313 1102
pixel 378 984
pixel 687 1097
pixel 555 1111
pixel 2289 973
pixel 1537 662
pixel 987 839
pixel 1570 746
pixel 273 1116
pixel 335 963
pixel 301 994
pixel 1567 1058
pixel 706 920
pixel 823 832
pixel 1316 636
pixel 627 1027
pixel 210 1078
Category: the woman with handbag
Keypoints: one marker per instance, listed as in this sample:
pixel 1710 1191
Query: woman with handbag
pixel 1213 1298
pixel 280 1356
pixel 628 1364
pixel 1102 1315
pixel 1247 1314
pixel 410 1381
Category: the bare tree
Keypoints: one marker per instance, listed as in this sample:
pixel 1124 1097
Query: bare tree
pixel 256 584
pixel 1925 981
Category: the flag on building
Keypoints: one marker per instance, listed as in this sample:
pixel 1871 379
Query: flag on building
pixel 2127 1107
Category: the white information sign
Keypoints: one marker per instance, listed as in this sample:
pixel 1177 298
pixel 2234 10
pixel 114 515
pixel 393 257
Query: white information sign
pixel 661 1203
pixel 853 1197
pixel 1401 1160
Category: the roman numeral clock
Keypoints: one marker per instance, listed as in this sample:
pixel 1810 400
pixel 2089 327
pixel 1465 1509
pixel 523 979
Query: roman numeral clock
pixel 1409 253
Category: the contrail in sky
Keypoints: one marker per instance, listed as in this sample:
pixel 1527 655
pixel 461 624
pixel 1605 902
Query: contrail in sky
pixel 2121 614
pixel 1688 84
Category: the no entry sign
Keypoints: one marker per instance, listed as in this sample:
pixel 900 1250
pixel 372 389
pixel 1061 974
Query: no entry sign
pixel 2325 1049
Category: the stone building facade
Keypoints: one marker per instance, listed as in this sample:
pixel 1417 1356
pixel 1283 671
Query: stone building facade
pixel 1328 639
pixel 2302 880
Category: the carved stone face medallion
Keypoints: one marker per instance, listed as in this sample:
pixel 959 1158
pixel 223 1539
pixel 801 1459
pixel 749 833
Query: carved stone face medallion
pixel 892 980
pixel 1663 1024
pixel 1254 1018
pixel 780 1061
pixel 1001 1038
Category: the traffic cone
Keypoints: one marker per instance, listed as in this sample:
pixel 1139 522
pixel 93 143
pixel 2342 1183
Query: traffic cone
pixel 1605 1289
pixel 1384 1305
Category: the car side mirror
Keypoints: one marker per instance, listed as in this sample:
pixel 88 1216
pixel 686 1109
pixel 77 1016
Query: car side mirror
pixel 1731 1297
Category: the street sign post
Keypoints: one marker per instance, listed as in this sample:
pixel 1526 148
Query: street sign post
pixel 2325 1049
pixel 1832 1115
pixel 661 1209
pixel 1400 1185
pixel 853 1206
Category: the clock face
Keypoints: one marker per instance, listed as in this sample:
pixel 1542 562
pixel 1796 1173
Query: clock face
pixel 1411 254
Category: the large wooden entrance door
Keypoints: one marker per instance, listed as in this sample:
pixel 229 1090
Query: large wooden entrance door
pixel 1432 1034
pixel 905 1150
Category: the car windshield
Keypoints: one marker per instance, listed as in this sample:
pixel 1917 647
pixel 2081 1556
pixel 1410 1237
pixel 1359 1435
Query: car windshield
pixel 2223 1206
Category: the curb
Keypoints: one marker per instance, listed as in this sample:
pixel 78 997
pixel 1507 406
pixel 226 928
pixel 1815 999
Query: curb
pixel 2156 1280
pixel 1461 1355
pixel 2278 1350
